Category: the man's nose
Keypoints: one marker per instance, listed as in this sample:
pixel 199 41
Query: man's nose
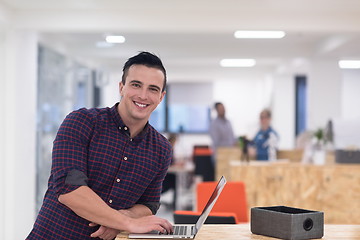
pixel 143 93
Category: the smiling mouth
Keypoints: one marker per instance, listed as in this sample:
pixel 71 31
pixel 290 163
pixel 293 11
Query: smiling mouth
pixel 141 105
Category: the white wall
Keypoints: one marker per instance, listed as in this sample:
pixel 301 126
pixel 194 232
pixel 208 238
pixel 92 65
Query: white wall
pixel 243 101
pixel 283 110
pixel 18 133
pixel 350 95
pixel 324 95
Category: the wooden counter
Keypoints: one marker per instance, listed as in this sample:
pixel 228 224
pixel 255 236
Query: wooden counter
pixel 333 189
pixel 242 232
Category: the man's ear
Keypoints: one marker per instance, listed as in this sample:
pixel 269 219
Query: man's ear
pixel 162 96
pixel 121 87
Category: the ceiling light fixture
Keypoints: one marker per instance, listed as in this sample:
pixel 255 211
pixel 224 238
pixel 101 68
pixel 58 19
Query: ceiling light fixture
pixel 259 34
pixel 115 39
pixel 349 64
pixel 237 62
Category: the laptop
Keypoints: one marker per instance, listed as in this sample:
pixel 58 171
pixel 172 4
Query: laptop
pixel 188 231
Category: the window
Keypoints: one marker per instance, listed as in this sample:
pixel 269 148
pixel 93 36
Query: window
pixel 158 116
pixel 189 118
pixel 185 108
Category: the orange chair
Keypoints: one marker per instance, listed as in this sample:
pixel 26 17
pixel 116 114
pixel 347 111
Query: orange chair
pixel 232 199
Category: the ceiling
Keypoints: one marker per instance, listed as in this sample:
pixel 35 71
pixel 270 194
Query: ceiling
pixel 193 36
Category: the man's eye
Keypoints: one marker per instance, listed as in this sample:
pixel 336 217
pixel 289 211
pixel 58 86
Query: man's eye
pixel 136 85
pixel 154 89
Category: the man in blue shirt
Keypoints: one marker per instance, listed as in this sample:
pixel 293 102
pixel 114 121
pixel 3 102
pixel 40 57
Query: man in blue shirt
pixel 264 144
pixel 108 164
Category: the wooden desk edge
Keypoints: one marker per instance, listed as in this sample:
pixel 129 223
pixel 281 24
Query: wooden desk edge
pixel 242 231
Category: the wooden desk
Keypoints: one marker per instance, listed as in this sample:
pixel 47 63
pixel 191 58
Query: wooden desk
pixel 223 157
pixel 333 189
pixel 242 232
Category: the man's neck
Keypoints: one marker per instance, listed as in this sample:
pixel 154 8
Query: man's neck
pixel 265 128
pixel 135 126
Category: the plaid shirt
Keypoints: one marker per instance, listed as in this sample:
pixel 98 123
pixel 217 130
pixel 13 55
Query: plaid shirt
pixel 93 147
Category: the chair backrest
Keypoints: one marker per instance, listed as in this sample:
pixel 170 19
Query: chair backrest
pixel 202 157
pixel 189 217
pixel 232 199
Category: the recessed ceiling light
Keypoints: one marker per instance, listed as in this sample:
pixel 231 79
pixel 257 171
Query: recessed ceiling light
pixel 259 34
pixel 349 64
pixel 115 39
pixel 237 62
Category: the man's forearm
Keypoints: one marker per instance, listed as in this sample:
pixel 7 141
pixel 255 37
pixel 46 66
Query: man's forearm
pixel 87 204
pixel 137 211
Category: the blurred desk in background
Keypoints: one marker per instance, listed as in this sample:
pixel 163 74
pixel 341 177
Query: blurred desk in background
pixel 184 176
pixel 294 155
pixel 226 154
pixel 223 157
pixel 333 189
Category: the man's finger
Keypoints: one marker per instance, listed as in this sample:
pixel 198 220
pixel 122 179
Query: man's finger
pixel 97 233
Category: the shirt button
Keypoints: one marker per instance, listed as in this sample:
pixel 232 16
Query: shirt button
pixel 118 180
pixel 125 158
pixel 110 201
pixel 125 128
pixel 131 139
pixel 120 128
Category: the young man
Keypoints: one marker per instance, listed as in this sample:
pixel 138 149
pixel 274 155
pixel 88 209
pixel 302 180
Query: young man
pixel 221 131
pixel 108 164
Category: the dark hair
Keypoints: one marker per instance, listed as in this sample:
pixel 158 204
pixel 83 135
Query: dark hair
pixel 217 104
pixel 147 59
pixel 267 112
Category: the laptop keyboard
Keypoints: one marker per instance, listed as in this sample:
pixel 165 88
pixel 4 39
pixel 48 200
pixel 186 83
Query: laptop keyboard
pixel 179 230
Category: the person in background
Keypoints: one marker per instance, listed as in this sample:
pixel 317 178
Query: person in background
pixel 264 144
pixel 108 164
pixel 221 131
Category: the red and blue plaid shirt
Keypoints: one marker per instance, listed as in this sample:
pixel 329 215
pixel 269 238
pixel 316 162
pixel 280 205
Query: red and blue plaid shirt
pixel 93 147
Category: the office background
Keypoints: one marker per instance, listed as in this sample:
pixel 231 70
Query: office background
pixel 189 37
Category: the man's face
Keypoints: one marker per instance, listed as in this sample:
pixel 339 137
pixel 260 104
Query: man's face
pixel 220 110
pixel 142 92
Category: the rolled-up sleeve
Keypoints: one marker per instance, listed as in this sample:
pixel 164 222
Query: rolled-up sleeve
pixel 70 151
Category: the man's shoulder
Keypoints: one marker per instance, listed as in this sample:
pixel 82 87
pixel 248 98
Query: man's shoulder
pixel 91 113
pixel 160 138
pixel 273 131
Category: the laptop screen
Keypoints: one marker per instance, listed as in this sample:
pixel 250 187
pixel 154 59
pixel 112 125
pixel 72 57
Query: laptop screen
pixel 210 203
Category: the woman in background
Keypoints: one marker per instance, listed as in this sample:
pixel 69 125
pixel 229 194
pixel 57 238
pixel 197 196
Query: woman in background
pixel 264 145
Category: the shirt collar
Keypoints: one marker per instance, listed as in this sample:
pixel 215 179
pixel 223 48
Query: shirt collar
pixel 121 125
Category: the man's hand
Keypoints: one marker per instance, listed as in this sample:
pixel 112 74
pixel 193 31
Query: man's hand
pixel 105 233
pixel 150 223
